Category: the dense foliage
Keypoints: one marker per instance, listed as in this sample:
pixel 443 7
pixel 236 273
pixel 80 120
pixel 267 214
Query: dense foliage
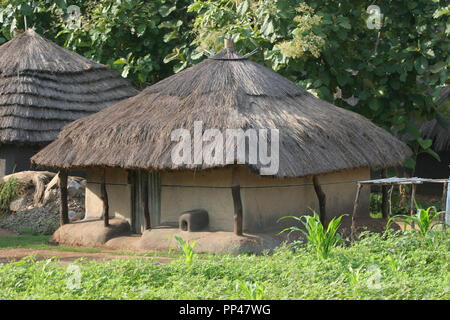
pixel 399 267
pixel 133 36
pixel 393 75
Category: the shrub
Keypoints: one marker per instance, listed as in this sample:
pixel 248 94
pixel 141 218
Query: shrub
pixel 9 190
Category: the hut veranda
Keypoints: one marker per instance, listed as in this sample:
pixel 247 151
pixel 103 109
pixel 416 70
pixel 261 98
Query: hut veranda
pixel 43 87
pixel 127 148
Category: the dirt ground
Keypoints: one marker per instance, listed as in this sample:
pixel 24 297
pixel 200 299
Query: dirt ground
pixel 65 257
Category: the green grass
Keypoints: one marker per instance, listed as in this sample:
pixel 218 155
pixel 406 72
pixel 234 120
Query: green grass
pixel 401 266
pixel 24 241
pixel 40 242
pixel 37 242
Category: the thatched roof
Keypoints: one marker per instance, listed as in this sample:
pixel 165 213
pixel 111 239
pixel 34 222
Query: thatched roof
pixel 43 87
pixel 433 130
pixel 225 91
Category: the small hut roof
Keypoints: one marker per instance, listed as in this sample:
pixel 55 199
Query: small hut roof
pixel 433 130
pixel 43 87
pixel 440 135
pixel 225 91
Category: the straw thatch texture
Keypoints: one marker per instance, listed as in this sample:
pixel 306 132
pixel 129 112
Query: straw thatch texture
pixel 439 135
pixel 225 91
pixel 433 130
pixel 43 87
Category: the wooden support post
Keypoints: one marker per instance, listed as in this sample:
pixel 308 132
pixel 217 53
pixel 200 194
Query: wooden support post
pixel 104 197
pixel 444 196
pixel 445 207
pixel 412 205
pixel 322 200
pixel 64 207
pixel 402 192
pixel 145 206
pixel 384 197
pixel 237 201
pixel 389 200
pixel 355 209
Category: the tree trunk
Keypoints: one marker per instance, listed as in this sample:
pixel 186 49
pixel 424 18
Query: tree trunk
pixel 322 200
pixel 355 210
pixel 237 201
pixel 144 177
pixel 104 197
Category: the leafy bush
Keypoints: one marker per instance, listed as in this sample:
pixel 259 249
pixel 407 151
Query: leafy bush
pixel 375 204
pixel 319 239
pixel 9 190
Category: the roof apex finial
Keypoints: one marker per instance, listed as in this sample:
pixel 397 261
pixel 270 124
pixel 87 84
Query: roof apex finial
pixel 228 43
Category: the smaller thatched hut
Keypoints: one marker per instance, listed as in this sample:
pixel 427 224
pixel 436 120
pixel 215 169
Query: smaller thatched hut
pixel 44 87
pixel 427 166
pixel 127 151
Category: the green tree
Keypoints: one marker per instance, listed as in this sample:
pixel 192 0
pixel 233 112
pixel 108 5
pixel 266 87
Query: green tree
pixel 393 75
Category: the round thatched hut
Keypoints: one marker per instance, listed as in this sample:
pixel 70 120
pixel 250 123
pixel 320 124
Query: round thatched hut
pixel 43 87
pixel 127 150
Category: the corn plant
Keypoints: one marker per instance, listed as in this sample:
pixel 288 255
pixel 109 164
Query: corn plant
pixel 319 238
pixel 251 291
pixel 354 275
pixel 424 219
pixel 187 248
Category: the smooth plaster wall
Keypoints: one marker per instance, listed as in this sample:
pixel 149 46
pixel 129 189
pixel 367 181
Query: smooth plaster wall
pixel 118 189
pixel 264 199
pixel 262 205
